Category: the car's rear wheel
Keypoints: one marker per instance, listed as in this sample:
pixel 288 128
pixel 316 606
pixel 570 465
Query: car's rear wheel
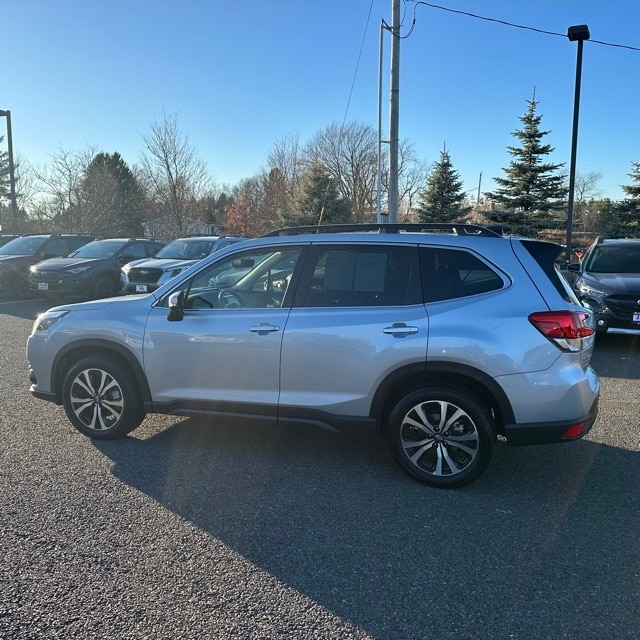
pixel 104 287
pixel 442 437
pixel 100 398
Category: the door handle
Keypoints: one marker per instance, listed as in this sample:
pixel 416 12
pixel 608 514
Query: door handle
pixel 264 328
pixel 400 330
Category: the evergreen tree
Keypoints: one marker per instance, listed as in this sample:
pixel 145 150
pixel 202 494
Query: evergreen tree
pixel 633 190
pixel 442 200
pixel 4 172
pixel 111 200
pixel 531 188
pixel 318 201
pixel 621 219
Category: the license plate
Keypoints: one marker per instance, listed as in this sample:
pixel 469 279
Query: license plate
pixel 43 286
pixel 636 316
pixel 141 288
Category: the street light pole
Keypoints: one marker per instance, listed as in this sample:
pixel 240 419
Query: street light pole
pixel 12 176
pixel 578 33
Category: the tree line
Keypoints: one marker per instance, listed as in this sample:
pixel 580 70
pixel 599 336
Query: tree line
pixel 331 178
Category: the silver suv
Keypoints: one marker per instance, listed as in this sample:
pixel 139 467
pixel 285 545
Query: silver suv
pixel 146 275
pixel 442 338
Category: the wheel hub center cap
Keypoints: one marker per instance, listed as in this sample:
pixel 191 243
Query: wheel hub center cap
pixel 439 437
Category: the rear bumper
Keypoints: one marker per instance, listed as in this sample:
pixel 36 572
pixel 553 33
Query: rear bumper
pixel 550 433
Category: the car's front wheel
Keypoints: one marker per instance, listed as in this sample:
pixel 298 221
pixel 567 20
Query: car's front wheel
pixel 442 437
pixel 100 398
pixel 104 287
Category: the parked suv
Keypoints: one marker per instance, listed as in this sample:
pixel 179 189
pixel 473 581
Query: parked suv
pixel 143 276
pixel 93 270
pixel 607 281
pixel 440 337
pixel 17 255
pixel 7 237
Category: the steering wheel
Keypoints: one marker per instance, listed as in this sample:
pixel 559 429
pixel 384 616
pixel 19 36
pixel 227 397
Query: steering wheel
pixel 230 299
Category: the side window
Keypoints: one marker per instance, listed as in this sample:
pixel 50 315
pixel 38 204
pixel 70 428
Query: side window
pixel 451 273
pixel 356 275
pixel 76 242
pixel 57 247
pixel 253 279
pixel 135 251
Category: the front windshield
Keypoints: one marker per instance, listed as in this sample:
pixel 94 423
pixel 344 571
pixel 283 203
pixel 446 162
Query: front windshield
pixel 99 249
pixel 22 246
pixel 185 250
pixel 617 259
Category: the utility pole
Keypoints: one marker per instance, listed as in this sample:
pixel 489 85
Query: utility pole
pixel 394 110
pixel 12 176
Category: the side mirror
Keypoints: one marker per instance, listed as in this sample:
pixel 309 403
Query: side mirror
pixel 176 306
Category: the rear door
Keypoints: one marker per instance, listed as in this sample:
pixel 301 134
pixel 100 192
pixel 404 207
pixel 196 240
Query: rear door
pixel 357 317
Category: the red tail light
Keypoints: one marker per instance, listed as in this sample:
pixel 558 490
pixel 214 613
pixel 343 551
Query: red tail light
pixel 567 329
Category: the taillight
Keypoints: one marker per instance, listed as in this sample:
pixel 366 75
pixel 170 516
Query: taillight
pixel 570 330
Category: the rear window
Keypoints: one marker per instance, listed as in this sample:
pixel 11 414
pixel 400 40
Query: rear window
pixel 451 273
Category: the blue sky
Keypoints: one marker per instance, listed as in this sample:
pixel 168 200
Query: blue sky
pixel 241 75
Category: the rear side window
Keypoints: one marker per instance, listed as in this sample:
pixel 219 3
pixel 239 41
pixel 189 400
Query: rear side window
pixel 450 273
pixel 357 275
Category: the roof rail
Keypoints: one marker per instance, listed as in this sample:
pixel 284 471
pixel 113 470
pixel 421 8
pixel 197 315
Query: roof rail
pixel 460 229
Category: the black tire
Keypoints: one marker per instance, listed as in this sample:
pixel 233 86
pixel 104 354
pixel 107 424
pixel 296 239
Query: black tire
pixel 100 398
pixel 105 287
pixel 22 288
pixel 442 437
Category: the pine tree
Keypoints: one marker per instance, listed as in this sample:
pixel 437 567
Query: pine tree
pixel 318 201
pixel 4 172
pixel 442 200
pixel 633 190
pixel 531 188
pixel 112 202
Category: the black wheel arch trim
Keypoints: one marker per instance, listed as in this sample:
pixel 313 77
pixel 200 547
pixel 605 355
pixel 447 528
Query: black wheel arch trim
pixel 106 346
pixel 436 368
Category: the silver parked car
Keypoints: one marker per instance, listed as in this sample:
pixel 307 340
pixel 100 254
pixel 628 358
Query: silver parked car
pixel 146 275
pixel 442 338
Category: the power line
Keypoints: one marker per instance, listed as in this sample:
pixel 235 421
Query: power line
pixel 511 24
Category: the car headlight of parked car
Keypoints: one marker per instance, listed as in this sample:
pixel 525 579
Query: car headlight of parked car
pixel 174 272
pixel 594 293
pixel 46 320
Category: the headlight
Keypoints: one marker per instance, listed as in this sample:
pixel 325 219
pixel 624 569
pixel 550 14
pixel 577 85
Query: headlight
pixel 592 292
pixel 47 319
pixel 174 272
pixel 78 270
pixel 126 268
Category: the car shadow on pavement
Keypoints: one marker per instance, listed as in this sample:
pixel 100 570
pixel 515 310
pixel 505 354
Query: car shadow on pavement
pixel 548 534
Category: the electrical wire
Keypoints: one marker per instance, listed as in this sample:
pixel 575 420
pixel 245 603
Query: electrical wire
pixel 346 111
pixel 509 24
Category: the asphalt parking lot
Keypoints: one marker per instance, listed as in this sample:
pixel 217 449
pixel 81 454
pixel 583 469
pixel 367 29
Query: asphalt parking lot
pixel 199 529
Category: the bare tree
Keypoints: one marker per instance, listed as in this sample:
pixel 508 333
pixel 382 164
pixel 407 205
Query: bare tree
pixel 349 154
pixel 288 160
pixel 413 173
pixel 246 215
pixel 56 189
pixel 174 176
pixel 587 190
